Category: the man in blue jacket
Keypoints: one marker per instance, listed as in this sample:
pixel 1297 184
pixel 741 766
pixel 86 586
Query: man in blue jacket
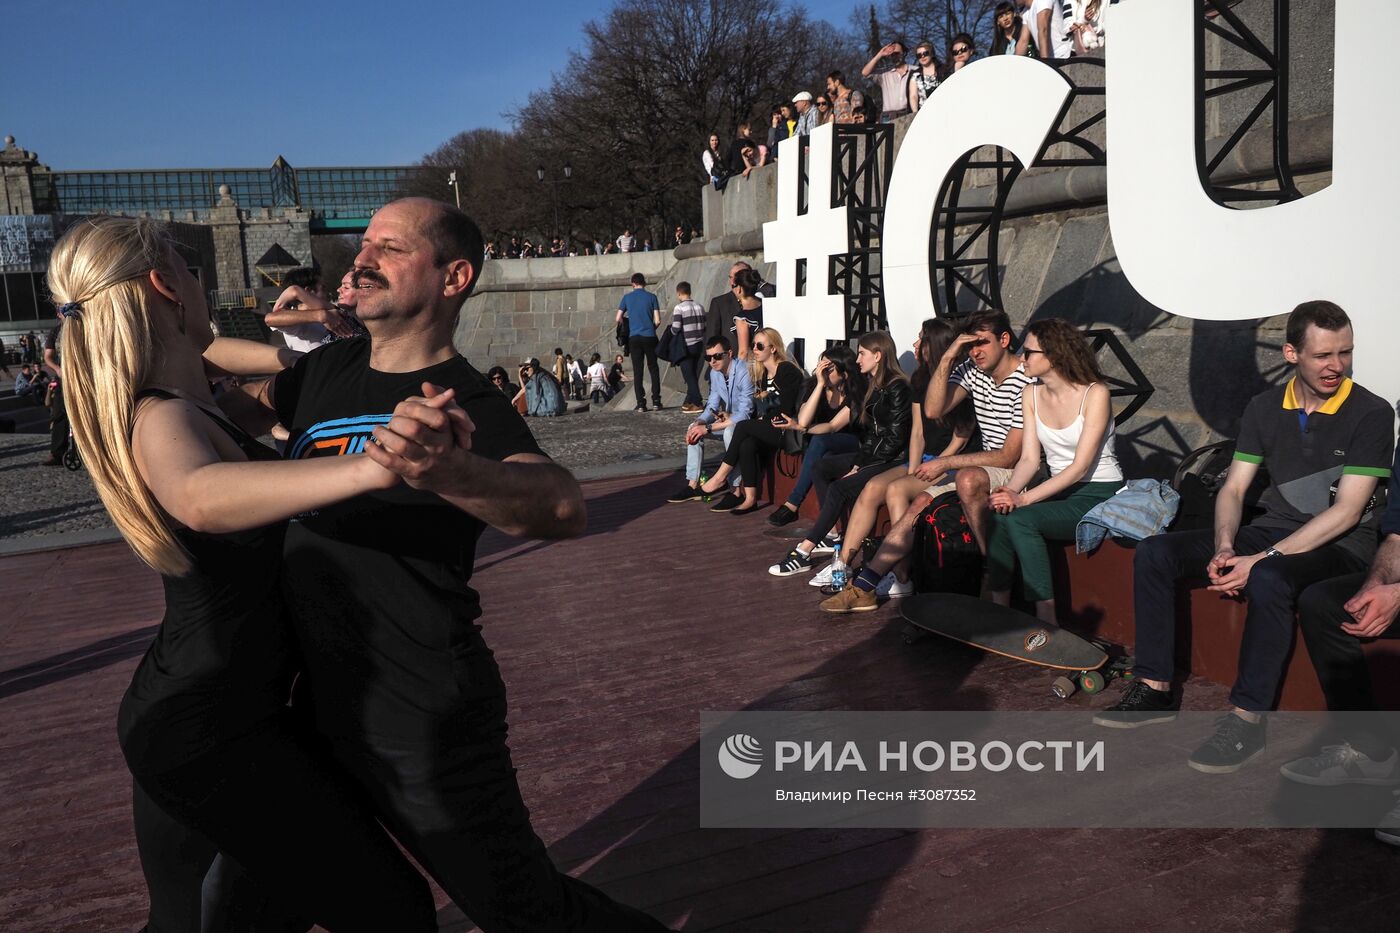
pixel 731 401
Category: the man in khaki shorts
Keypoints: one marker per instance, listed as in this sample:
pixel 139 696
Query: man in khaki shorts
pixel 993 378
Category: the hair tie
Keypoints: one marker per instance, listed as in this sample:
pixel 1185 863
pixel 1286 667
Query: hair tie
pixel 71 309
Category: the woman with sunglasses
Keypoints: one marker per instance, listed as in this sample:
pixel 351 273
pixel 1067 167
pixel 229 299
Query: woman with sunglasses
pixel 927 71
pixel 824 114
pixel 1068 416
pixel 832 385
pixel 882 418
pixel 777 390
pixel 204 726
pixel 960 52
pixel 501 380
pixel 929 439
pixel 1011 37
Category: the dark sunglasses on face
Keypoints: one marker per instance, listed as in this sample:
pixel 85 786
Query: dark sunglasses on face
pixel 1027 351
pixel 961 50
pixel 760 346
pixel 716 357
pixel 922 53
pixel 822 103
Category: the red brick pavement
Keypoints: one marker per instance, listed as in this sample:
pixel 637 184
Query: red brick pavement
pixel 611 645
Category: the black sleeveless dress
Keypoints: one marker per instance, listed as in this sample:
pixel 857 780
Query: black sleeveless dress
pixel 222 663
pixel 221 766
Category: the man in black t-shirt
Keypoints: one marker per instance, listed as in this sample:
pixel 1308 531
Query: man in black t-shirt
pixel 396 674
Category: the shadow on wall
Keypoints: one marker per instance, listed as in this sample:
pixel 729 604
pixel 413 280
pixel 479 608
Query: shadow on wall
pixel 1209 369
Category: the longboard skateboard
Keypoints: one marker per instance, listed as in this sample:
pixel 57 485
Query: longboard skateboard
pixel 1013 634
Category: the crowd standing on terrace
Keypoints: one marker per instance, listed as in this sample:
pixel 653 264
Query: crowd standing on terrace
pixel 522 247
pixel 896 85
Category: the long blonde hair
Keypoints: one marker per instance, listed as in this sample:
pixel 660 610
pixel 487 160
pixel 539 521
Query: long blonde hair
pixel 109 352
pixel 774 341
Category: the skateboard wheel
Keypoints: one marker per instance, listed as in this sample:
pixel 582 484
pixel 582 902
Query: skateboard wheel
pixel 1091 682
pixel 1063 688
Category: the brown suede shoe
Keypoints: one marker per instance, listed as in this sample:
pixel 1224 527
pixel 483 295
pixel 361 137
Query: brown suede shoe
pixel 851 599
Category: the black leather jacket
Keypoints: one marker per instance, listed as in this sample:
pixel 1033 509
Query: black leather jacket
pixel 884 435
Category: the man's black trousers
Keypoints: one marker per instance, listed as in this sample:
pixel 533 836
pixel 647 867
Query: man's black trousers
pixel 1272 591
pixel 644 348
pixel 752 443
pixel 1337 657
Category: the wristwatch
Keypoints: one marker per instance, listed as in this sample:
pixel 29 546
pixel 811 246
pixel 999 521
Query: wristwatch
pixel 1272 552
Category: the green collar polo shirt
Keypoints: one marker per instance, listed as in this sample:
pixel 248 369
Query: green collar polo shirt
pixel 1306 455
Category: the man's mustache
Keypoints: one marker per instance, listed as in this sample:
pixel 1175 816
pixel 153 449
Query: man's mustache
pixel 365 275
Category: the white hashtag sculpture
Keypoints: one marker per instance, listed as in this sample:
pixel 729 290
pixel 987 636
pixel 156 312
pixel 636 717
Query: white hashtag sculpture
pixel 816 236
pixel 1189 255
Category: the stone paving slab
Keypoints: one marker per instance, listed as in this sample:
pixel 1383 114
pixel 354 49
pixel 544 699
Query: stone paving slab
pixel 39 502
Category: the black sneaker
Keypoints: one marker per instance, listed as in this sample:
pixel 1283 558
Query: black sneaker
pixel 657 405
pixel 686 493
pixel 1234 743
pixel 781 516
pixel 729 503
pixel 795 562
pixel 640 408
pixel 1141 706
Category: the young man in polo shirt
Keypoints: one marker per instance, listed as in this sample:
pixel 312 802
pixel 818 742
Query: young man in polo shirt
pixel 1326 442
pixel 992 376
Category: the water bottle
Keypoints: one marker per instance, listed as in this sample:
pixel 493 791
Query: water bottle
pixel 838 573
pixel 705 478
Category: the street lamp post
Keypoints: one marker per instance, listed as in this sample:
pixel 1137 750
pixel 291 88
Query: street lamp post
pixel 554 184
pixel 452 183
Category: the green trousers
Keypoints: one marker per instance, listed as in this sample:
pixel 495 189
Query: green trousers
pixel 1019 537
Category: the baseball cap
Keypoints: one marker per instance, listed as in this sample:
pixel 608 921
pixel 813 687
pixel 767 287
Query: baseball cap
pixel 802 95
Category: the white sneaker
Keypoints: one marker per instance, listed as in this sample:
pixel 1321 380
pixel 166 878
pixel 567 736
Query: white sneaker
pixel 890 587
pixel 822 577
pixel 1342 764
pixel 828 545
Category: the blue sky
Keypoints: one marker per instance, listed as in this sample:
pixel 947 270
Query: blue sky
pixel 163 84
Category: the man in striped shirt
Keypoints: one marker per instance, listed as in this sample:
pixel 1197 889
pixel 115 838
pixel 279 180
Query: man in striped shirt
pixel 688 320
pixel 993 378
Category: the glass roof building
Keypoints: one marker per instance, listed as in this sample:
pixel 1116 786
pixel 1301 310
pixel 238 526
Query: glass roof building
pixel 337 198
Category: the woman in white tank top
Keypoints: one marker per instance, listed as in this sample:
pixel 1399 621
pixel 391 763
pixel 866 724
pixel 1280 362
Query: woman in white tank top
pixel 1072 423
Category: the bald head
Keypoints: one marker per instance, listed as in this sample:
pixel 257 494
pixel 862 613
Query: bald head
pixel 453 234
pixel 735 269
